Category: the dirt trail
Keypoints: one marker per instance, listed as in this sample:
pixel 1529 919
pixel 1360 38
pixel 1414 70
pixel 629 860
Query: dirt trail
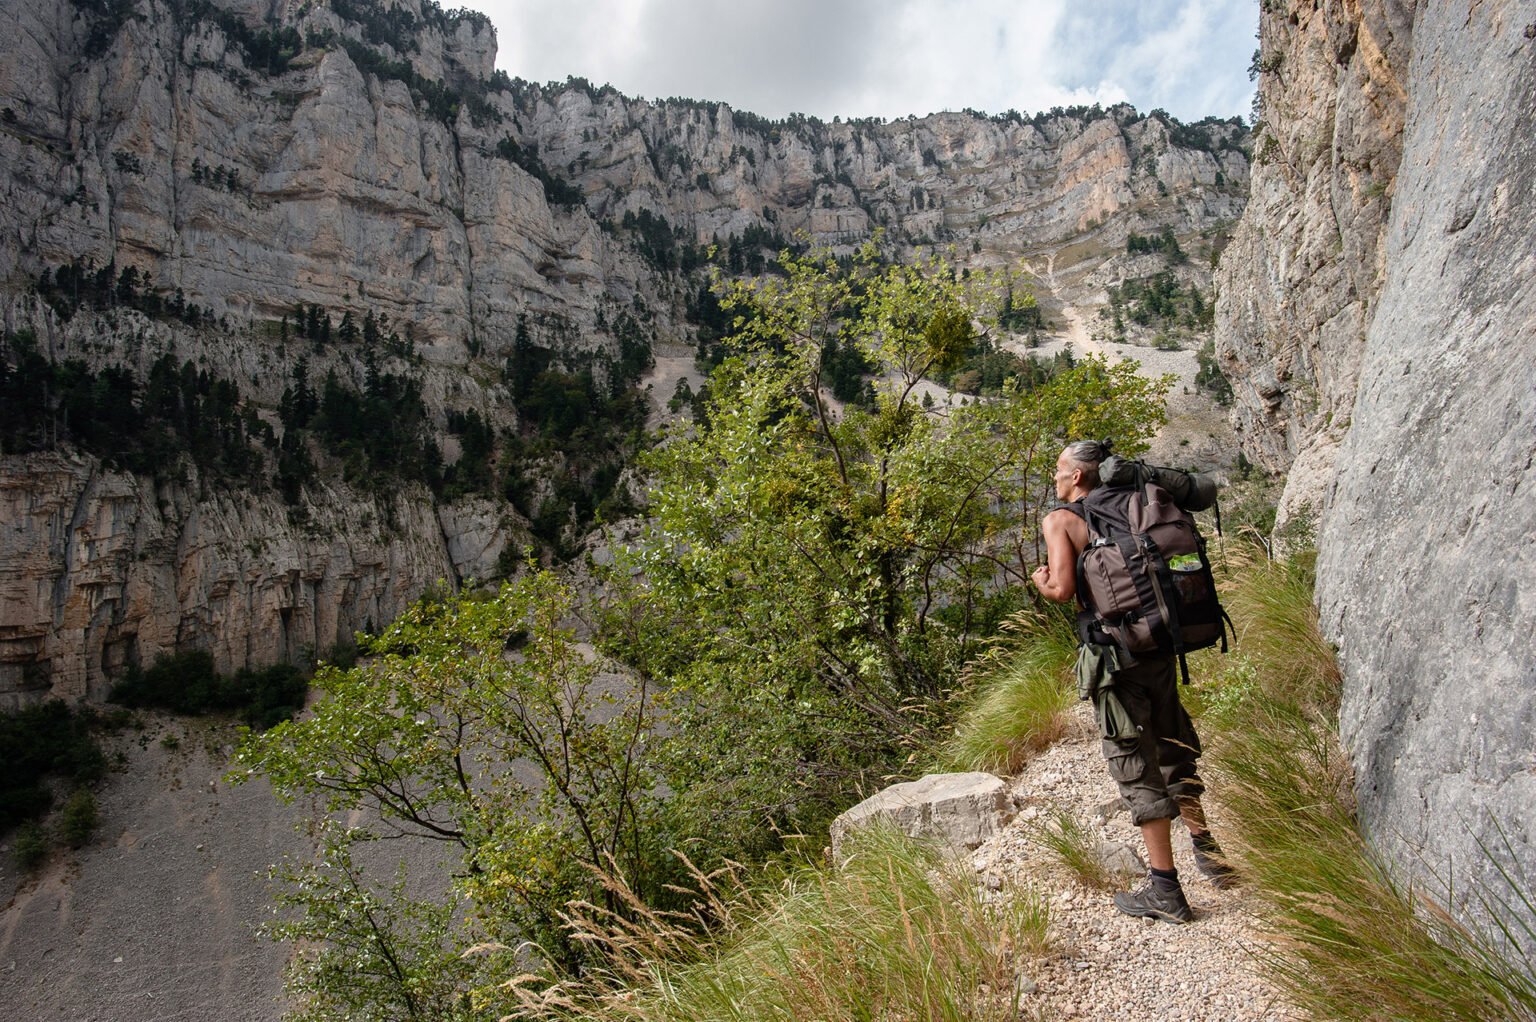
pixel 1105 966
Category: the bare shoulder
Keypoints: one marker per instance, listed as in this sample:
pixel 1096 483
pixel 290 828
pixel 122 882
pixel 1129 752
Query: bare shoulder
pixel 1064 522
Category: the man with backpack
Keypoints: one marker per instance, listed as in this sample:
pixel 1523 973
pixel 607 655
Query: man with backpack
pixel 1129 661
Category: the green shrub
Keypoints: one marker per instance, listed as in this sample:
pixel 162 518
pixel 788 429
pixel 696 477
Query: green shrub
pixel 186 683
pixel 38 742
pixel 30 846
pixel 180 682
pixel 78 820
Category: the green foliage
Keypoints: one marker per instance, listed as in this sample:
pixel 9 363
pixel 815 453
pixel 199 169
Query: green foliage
pixel 810 586
pixel 846 370
pixel 77 820
pixel 178 412
pixel 418 739
pixel 49 740
pixel 1160 302
pixel 1020 314
pixel 894 931
pixel 988 370
pixel 370 948
pixel 268 49
pixel 753 251
pixel 666 248
pixel 473 472
pixel 187 683
pixel 104 19
pixel 30 846
pixel 223 178
pixel 440 100
pixel 557 191
pixel 79 284
pixel 1163 242
pixel 814 581
pixel 1014 699
pixel 379 432
pixel 1210 378
pixel 183 412
pixel 576 435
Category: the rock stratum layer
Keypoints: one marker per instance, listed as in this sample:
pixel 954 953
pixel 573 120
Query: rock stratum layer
pixel 363 157
pixel 1378 310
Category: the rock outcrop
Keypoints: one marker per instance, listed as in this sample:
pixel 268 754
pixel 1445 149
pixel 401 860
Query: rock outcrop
pixel 956 811
pixel 363 157
pixel 1385 356
pixel 99 569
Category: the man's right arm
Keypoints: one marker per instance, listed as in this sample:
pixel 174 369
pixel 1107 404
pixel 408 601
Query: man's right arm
pixel 1057 577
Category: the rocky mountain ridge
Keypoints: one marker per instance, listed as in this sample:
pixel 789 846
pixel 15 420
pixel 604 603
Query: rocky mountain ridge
pixel 248 165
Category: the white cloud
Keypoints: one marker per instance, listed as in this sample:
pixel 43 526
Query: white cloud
pixel 891 57
pixel 1187 56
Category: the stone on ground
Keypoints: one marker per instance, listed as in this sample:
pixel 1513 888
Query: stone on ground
pixel 957 810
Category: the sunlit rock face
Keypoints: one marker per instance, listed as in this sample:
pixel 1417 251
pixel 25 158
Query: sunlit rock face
pixel 370 161
pixel 1376 310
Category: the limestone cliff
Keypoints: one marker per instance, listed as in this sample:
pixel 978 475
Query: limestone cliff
pixel 1298 284
pixel 1378 304
pixel 247 160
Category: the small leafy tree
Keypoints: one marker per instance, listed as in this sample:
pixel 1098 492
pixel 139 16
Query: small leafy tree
pixel 478 725
pixel 814 579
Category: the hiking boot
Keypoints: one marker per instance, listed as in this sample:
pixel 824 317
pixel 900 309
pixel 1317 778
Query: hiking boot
pixel 1157 898
pixel 1211 862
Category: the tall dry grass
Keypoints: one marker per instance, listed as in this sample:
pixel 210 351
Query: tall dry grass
pixel 1015 698
pixel 1347 938
pixel 897 931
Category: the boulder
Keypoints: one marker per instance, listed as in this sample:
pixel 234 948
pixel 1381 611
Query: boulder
pixel 957 810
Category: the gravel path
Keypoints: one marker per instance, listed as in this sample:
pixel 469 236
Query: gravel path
pixel 1105 965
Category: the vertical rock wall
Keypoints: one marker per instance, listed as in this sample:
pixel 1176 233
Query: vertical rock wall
pixel 1297 285
pixel 99 569
pixel 1376 313
pixel 1428 544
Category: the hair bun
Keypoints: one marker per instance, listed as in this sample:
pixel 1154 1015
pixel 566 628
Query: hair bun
pixel 1104 448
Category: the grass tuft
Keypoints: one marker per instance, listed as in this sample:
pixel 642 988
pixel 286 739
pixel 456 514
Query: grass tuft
pixel 898 931
pixel 1017 697
pixel 1347 939
pixel 1076 846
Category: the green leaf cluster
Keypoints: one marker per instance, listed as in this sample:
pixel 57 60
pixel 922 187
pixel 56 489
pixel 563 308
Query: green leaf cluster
pixel 476 724
pixel 815 574
pixel 788 628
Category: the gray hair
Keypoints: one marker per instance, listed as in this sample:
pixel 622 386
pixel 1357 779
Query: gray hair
pixel 1085 455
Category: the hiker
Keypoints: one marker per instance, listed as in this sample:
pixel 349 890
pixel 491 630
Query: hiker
pixel 1155 766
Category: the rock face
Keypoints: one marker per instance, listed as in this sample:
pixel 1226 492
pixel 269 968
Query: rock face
pixel 1442 677
pixel 1415 334
pixel 362 157
pixel 1297 285
pixel 100 568
pixel 959 811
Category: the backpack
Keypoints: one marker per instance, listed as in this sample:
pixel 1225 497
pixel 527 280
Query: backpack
pixel 1144 579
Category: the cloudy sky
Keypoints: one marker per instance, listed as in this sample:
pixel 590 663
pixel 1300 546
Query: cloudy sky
pixel 890 58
